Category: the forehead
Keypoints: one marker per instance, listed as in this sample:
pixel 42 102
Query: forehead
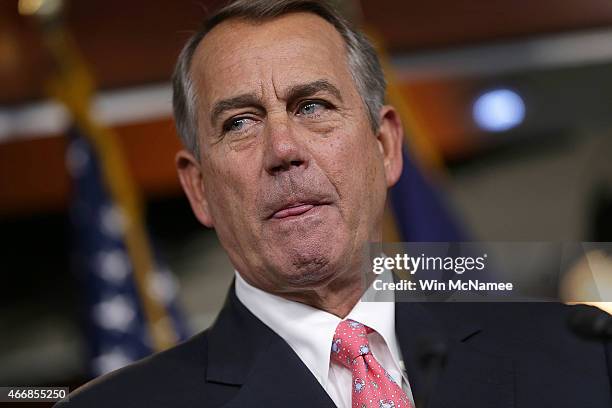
pixel 240 56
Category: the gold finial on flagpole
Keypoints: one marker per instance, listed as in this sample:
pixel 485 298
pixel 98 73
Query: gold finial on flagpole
pixel 40 8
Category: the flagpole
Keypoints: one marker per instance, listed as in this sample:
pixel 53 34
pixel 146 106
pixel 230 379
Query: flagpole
pixel 72 84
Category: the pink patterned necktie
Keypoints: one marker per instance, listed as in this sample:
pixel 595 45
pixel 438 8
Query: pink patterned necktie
pixel 372 385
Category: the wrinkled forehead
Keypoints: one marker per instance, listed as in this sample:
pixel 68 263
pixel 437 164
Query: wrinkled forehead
pixel 241 56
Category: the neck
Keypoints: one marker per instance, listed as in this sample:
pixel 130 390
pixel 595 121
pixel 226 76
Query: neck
pixel 338 297
pixel 338 293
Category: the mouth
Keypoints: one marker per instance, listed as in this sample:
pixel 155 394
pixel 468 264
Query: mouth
pixel 294 210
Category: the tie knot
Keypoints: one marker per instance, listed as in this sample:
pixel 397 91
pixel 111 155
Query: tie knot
pixel 350 341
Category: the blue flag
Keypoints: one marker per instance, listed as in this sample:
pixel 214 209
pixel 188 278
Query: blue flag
pixel 421 213
pixel 117 329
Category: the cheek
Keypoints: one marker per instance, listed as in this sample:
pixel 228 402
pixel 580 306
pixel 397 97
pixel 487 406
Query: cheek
pixel 226 186
pixel 353 165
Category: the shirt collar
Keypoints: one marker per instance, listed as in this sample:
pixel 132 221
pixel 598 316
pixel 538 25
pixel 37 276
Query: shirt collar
pixel 310 331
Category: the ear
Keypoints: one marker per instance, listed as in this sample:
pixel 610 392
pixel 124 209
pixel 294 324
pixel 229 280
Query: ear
pixel 390 138
pixel 191 177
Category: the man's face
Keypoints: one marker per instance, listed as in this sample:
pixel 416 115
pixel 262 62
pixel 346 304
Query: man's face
pixel 290 173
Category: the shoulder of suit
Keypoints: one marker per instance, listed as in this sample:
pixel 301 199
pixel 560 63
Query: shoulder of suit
pixel 497 314
pixel 541 322
pixel 536 316
pixel 157 380
pixel 522 327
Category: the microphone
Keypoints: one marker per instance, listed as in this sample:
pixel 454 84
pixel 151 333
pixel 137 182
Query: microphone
pixel 590 323
pixel 431 357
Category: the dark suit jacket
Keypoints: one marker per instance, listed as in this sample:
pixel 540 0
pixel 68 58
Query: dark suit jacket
pixel 498 355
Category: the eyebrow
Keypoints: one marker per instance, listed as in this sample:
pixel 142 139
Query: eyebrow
pixel 311 88
pixel 295 92
pixel 236 102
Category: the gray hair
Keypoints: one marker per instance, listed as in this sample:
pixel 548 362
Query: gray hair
pixel 363 62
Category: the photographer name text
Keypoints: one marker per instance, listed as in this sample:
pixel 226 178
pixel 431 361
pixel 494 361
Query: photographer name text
pixel 435 285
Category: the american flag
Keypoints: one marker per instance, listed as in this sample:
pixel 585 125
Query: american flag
pixel 114 318
pixel 422 213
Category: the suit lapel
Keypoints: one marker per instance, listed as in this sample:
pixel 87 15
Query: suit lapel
pixel 280 379
pixel 245 353
pixel 469 378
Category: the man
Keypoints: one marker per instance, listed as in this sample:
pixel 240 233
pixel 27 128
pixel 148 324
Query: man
pixel 289 153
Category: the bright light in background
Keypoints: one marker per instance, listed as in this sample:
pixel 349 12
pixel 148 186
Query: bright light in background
pixel 499 110
pixel 28 7
pixel 42 7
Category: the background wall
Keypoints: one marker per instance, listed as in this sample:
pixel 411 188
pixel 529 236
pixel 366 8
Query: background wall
pixel 547 177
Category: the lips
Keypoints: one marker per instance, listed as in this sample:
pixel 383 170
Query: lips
pixel 293 210
pixel 288 209
pixel 279 205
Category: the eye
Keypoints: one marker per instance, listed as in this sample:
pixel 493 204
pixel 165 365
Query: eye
pixel 236 124
pixel 311 108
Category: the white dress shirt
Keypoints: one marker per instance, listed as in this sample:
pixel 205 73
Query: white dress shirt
pixel 309 332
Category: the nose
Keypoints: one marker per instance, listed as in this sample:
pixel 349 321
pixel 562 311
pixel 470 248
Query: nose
pixel 284 149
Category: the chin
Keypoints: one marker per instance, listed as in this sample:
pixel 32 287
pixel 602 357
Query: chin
pixel 309 269
pixel 312 254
